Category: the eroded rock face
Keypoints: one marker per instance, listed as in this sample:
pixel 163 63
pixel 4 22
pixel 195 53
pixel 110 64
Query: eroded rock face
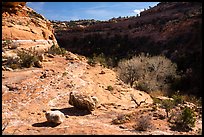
pixel 13 4
pixel 12 7
pixel 56 117
pixel 23 26
pixel 83 101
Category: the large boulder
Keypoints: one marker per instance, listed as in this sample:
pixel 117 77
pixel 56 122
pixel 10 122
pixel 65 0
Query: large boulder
pixel 56 117
pixel 83 101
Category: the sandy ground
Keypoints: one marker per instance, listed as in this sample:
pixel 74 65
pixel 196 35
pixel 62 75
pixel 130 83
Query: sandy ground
pixel 28 93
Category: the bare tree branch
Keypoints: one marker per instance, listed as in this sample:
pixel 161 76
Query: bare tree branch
pixel 133 99
pixel 4 126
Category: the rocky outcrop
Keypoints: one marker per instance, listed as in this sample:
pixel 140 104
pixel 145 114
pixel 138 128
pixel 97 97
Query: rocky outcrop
pixel 83 101
pixel 13 4
pixel 12 7
pixel 25 27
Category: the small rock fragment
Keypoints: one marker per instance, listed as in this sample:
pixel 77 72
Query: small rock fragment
pixel 38 64
pixel 50 56
pixel 102 72
pixel 43 110
pixel 67 116
pixel 122 127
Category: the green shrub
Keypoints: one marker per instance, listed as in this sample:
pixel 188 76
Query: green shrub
pixel 6 43
pixel 110 88
pixel 13 63
pixel 64 74
pixel 27 58
pixel 148 73
pixel 178 99
pixel 156 100
pixel 186 120
pixel 167 104
pixel 14 66
pixel 100 59
pixel 56 50
pixel 91 62
pixel 154 108
pixel 105 61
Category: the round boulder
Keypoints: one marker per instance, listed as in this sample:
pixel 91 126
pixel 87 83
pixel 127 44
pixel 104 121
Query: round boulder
pixel 56 117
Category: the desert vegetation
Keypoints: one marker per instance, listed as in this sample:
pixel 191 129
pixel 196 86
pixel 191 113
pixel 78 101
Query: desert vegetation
pixel 110 88
pixel 185 121
pixel 136 75
pixel 180 118
pixel 23 59
pixel 148 73
pixel 56 50
pixel 143 123
pixel 27 58
pixel 123 38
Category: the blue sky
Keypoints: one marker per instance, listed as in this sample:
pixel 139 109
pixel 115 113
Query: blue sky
pixel 88 10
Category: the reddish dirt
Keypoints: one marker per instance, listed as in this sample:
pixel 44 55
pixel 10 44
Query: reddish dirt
pixel 28 93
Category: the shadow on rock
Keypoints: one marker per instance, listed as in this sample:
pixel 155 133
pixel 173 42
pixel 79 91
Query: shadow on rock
pixel 45 124
pixel 72 111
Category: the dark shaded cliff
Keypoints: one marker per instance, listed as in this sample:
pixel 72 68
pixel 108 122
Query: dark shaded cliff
pixel 170 28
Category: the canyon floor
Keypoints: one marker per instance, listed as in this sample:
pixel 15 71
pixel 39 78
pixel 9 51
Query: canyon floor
pixel 28 93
